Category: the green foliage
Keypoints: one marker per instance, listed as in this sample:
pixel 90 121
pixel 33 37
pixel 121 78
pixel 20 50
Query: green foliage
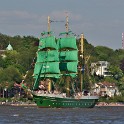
pixel 116 72
pixel 11 57
pixel 110 79
pixel 103 53
pixel 5 99
pixel 15 64
pixel 112 99
pixel 122 65
pixel 117 57
pixel 10 74
pixel 2 62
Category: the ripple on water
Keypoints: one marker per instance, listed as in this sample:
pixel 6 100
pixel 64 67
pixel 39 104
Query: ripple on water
pixel 31 115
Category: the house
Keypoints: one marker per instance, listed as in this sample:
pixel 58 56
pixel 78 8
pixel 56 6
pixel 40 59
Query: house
pixel 9 47
pixel 100 68
pixel 106 89
pixel 2 52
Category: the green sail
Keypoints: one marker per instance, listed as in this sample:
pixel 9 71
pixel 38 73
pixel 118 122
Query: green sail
pixel 47 42
pixel 47 68
pixel 67 42
pixel 69 67
pixel 69 55
pixel 45 56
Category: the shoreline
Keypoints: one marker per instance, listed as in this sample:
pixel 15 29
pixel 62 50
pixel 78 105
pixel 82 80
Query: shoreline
pixel 100 104
pixel 17 104
pixel 23 105
pixel 109 104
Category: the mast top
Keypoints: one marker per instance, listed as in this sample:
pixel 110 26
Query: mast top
pixel 82 35
pixel 82 43
pixel 48 22
pixel 67 25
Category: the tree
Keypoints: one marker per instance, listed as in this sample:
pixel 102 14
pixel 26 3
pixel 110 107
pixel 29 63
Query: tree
pixel 10 74
pixel 110 79
pixel 11 57
pixel 116 72
pixel 104 53
pixel 2 62
pixel 122 65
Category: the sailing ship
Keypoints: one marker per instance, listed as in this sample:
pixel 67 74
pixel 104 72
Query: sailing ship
pixel 57 69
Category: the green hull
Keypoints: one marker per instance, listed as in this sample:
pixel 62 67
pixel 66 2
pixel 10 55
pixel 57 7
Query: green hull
pixel 55 102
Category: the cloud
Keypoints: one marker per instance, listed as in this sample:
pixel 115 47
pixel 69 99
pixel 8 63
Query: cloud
pixel 20 18
pixel 13 17
pixel 62 14
pixel 21 22
pixel 24 22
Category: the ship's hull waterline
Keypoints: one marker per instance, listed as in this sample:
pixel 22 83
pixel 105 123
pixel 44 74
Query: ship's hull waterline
pixel 56 102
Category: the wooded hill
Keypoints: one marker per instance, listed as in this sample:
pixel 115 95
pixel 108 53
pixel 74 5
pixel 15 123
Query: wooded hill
pixel 17 62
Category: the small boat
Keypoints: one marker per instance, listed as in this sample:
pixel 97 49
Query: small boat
pixel 58 68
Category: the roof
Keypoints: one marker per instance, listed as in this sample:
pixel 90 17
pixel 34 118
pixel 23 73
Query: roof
pixel 107 84
pixel 9 47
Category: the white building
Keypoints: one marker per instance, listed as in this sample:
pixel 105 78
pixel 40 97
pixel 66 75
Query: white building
pixel 2 52
pixel 106 88
pixel 9 47
pixel 100 68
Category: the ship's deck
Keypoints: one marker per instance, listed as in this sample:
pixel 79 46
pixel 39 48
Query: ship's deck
pixel 63 95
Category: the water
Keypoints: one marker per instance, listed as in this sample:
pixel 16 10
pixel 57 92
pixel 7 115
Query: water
pixel 34 115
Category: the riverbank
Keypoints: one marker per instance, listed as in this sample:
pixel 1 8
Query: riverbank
pixel 33 104
pixel 109 104
pixel 18 104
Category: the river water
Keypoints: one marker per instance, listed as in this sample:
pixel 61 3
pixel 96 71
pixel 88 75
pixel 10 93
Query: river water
pixel 34 115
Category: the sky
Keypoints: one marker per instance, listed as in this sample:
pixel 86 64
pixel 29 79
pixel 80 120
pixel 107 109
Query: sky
pixel 101 21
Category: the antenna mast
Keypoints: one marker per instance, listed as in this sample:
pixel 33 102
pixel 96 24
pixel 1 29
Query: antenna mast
pixel 122 40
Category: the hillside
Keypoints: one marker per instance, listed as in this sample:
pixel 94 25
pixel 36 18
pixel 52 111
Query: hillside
pixel 20 60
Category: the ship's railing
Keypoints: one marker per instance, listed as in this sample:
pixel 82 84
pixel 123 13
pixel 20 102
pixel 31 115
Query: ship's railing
pixel 63 95
pixel 42 93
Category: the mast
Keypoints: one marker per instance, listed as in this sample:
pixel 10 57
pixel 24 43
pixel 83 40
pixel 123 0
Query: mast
pixel 49 81
pixel 81 61
pixel 48 23
pixel 68 58
pixel 67 78
pixel 66 25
